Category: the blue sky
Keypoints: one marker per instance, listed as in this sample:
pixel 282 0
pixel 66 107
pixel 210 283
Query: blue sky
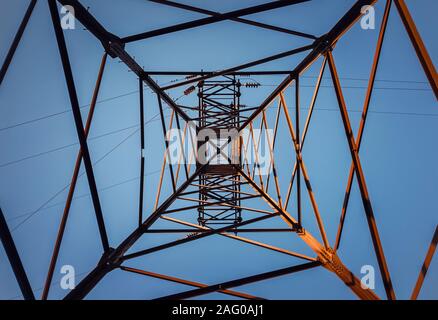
pixel 39 147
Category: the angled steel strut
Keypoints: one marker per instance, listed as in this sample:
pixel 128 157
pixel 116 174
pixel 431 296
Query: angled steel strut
pixel 14 259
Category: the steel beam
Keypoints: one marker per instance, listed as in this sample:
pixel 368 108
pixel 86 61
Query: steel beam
pixel 73 183
pixel 142 156
pixel 241 20
pixel 16 41
pixel 188 283
pixel 245 240
pixel 166 142
pixel 116 49
pixel 301 165
pixel 241 281
pixel 78 121
pixel 298 143
pixel 195 237
pixel 14 259
pixel 245 230
pixel 326 255
pixel 361 181
pixel 420 48
pixel 321 45
pixel 363 119
pixel 306 127
pixel 203 73
pixel 112 259
pixel 425 266
pixel 240 67
pixel 92 279
pixel 216 18
pixel 92 25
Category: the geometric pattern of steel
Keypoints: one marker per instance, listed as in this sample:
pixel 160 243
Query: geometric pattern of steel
pixel 230 188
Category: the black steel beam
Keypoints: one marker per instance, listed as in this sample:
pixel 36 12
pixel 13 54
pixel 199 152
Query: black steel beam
pixel 241 20
pixel 73 183
pixel 92 279
pixel 241 282
pixel 117 49
pixel 204 73
pixel 14 259
pixel 16 41
pixel 92 25
pixel 78 122
pixel 246 230
pixel 216 18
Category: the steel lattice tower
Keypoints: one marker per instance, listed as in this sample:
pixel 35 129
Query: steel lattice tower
pixel 221 189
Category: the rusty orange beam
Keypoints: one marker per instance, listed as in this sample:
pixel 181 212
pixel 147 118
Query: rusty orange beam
pixel 256 151
pixel 73 183
pixel 417 42
pixel 306 127
pixel 272 162
pixel 163 167
pixel 306 177
pixel 188 283
pixel 425 265
pixel 277 121
pixel 327 257
pixel 243 239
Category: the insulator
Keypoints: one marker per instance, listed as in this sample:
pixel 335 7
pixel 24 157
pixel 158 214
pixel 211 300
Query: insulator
pixel 189 90
pixel 191 235
pixel 252 85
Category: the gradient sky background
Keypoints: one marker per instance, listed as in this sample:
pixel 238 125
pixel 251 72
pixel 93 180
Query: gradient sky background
pixel 39 147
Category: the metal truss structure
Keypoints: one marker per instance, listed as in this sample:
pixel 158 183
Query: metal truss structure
pixel 222 193
pixel 219 108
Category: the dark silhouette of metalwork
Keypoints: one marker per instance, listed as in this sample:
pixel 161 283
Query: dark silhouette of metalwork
pixel 215 190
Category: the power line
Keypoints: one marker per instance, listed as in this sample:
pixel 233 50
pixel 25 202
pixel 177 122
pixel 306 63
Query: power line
pixel 10 163
pixel 358 87
pixel 80 175
pixel 153 119
pixel 309 77
pixel 69 110
pixel 65 111
pixel 129 136
pixel 6 164
pixel 85 195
